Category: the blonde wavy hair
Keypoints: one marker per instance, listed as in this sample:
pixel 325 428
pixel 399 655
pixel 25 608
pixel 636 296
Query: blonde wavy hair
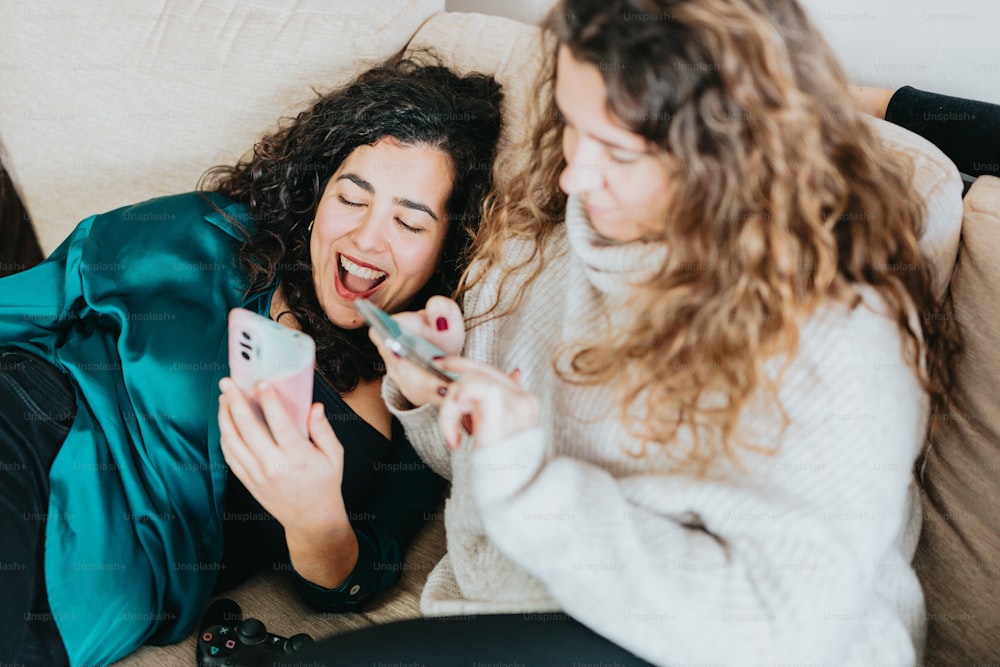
pixel 786 199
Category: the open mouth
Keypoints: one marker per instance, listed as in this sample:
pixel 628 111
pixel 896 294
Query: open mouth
pixel 356 279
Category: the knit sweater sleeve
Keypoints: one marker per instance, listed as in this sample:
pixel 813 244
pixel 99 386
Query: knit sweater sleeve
pixel 778 561
pixel 420 422
pixel 421 427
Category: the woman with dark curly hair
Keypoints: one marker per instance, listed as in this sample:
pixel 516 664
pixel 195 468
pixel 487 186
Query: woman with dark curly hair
pixel 120 511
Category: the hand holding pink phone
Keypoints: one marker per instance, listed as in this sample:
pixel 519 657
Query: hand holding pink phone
pixel 260 349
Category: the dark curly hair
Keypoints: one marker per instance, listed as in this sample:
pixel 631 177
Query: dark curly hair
pixel 417 102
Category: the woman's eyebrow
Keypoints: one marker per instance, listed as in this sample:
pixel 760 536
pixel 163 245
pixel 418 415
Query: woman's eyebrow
pixel 398 201
pixel 415 205
pixel 600 140
pixel 358 181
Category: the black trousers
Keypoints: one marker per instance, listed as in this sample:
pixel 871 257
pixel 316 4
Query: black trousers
pixel 510 640
pixel 967 131
pixel 37 407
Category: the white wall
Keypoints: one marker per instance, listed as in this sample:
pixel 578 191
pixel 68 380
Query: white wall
pixel 949 47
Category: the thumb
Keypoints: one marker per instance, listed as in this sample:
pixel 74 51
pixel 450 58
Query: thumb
pixel 443 316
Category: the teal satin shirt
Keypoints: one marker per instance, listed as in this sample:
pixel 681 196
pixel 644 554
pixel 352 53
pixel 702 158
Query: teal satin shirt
pixel 133 307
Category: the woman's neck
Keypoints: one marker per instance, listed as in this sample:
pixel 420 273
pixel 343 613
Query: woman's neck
pixel 615 269
pixel 279 310
pixel 365 399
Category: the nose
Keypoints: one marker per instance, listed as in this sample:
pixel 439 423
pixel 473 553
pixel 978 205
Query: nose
pixel 370 233
pixel 584 168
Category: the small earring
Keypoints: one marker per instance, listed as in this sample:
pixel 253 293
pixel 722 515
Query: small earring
pixel 311 222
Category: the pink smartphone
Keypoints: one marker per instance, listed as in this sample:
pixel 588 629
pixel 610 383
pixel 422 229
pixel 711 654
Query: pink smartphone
pixel 262 349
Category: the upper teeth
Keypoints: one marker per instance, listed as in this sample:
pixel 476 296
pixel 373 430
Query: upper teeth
pixel 360 271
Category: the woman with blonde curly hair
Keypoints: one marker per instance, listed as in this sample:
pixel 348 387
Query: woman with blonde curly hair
pixel 697 373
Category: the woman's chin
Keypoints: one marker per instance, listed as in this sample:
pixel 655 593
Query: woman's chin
pixel 347 323
pixel 343 315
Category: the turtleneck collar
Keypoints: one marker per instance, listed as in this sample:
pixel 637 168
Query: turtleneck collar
pixel 611 267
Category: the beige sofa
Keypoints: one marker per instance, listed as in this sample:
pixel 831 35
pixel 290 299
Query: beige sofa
pixel 107 103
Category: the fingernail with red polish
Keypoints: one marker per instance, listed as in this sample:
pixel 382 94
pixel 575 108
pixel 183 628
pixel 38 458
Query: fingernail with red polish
pixel 442 323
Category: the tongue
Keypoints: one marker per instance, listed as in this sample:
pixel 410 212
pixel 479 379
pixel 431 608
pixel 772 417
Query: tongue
pixel 356 284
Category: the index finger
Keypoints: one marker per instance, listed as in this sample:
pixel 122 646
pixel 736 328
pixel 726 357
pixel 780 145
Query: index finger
pixel 443 315
pixel 248 423
pixel 440 323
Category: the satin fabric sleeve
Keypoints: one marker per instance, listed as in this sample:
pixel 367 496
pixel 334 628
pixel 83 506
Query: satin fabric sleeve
pixel 44 299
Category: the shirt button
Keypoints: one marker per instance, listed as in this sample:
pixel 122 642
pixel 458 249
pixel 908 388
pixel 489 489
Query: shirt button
pixel 354 589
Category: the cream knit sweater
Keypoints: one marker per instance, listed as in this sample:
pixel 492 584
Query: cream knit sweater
pixel 804 556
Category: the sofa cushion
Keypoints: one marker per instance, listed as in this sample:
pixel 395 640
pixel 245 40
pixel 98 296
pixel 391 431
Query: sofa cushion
pixel 510 50
pixel 937 180
pixel 109 103
pixel 958 557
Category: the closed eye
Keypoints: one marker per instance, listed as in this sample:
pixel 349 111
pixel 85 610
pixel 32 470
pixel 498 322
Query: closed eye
pixel 399 221
pixel 410 228
pixel 347 202
pixel 623 157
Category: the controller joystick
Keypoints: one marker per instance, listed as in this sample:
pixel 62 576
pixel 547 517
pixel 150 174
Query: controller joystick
pixel 226 639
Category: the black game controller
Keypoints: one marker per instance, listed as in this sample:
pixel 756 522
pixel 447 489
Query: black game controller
pixel 226 639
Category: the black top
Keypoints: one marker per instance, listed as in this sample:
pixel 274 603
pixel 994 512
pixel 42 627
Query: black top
pixel 388 492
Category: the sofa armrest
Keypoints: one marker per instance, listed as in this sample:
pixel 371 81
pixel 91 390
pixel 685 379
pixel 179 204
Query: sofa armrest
pixel 956 558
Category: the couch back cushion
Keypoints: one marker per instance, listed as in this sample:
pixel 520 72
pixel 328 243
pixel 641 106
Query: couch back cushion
pixel 509 50
pixel 958 557
pixel 109 103
pixel 937 180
